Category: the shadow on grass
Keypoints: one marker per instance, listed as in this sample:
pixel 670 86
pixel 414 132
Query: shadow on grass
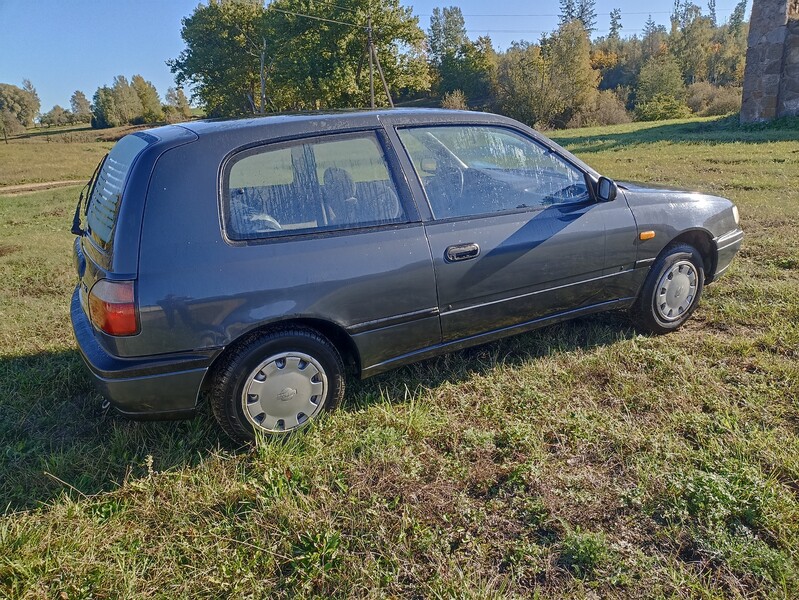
pixel 719 131
pixel 55 438
pixel 583 333
pixel 45 132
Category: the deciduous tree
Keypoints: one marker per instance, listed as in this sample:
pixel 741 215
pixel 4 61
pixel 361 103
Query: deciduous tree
pixel 81 108
pixel 9 124
pixel 549 84
pixel 303 56
pixel 104 110
pixel 56 116
pixel 151 110
pixel 177 106
pixel 22 102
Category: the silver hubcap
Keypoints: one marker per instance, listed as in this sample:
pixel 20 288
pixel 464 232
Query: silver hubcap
pixel 676 291
pixel 284 392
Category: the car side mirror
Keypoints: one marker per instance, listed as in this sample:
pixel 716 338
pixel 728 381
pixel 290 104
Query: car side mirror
pixel 429 165
pixel 607 189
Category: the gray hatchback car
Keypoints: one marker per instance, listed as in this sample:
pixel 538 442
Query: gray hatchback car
pixel 256 260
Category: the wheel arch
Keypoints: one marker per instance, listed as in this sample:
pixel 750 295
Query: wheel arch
pixel 333 332
pixel 702 240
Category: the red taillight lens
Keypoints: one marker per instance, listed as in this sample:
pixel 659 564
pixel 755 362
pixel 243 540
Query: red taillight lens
pixel 112 307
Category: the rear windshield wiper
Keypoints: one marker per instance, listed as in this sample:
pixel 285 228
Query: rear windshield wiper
pixel 85 193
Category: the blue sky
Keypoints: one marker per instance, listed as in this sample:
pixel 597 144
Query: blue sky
pixel 65 45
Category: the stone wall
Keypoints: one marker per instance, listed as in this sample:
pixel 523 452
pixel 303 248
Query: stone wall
pixel 771 78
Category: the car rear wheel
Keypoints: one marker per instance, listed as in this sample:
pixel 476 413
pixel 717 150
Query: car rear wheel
pixel 276 382
pixel 671 291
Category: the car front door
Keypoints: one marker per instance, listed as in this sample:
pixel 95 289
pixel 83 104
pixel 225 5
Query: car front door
pixel 516 233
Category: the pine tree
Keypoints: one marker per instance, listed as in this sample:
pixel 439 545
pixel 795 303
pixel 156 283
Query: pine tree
pixel 615 24
pixel 568 12
pixel 711 12
pixel 586 14
pixel 447 33
pixel 737 16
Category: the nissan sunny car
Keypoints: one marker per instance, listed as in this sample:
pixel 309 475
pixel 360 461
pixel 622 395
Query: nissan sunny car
pixel 256 262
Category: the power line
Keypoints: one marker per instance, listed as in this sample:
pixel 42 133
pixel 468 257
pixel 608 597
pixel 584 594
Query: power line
pixel 288 12
pixel 351 10
pixel 540 30
pixel 718 10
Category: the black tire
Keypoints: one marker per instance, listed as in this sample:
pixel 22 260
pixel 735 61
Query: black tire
pixel 652 311
pixel 264 351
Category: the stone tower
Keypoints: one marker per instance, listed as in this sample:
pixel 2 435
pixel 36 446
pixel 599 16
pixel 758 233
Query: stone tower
pixel 771 78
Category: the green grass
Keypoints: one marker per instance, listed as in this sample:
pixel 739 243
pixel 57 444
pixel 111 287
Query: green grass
pixel 56 153
pixel 580 460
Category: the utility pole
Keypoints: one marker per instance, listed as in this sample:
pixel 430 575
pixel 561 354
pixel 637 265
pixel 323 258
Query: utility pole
pixel 371 54
pixel 374 61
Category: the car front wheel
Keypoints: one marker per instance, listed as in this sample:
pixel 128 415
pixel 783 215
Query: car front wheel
pixel 671 291
pixel 276 382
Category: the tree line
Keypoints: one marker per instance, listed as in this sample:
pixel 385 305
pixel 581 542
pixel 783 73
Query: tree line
pixel 244 57
pixel 121 103
pixel 136 102
pixel 567 79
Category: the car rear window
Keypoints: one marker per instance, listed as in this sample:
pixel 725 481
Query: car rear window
pixel 107 193
pixel 315 184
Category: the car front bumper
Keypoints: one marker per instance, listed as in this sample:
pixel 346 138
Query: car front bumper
pixel 159 387
pixel 727 247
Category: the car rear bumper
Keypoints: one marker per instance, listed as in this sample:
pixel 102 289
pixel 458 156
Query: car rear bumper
pixel 727 247
pixel 160 387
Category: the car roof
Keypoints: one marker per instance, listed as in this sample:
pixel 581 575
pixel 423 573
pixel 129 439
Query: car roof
pixel 230 134
pixel 337 119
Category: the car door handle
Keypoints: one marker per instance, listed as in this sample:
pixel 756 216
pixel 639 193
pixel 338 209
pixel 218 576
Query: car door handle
pixel 462 252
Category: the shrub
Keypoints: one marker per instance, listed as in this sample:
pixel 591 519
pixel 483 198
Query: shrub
pixel 708 100
pixel 608 110
pixel 699 95
pixel 661 107
pixel 660 76
pixel 727 100
pixel 455 100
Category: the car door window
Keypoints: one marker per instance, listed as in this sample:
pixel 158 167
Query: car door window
pixel 472 170
pixel 326 183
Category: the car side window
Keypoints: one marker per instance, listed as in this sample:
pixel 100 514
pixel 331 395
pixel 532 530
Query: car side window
pixel 326 183
pixel 471 170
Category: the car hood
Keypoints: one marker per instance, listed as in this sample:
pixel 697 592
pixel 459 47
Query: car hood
pixel 678 210
pixel 654 188
pixel 639 194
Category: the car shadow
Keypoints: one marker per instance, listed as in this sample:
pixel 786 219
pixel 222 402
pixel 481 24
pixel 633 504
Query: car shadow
pixel 56 439
pixel 545 225
pixel 583 333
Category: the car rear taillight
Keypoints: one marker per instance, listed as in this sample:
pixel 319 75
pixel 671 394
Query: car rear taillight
pixel 112 307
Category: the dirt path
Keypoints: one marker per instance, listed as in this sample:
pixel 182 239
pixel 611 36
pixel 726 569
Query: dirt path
pixel 13 190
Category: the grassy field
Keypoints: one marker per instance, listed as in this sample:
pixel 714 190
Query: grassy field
pixel 581 460
pixel 56 153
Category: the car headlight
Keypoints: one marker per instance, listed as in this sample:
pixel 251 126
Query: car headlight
pixel 735 215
